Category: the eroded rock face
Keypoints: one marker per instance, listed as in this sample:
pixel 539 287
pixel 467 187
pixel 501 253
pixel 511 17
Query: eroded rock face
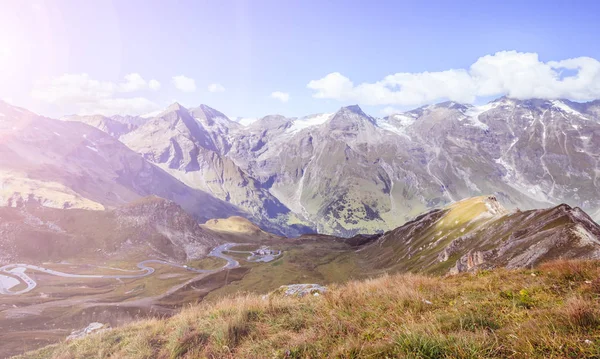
pixel 469 262
pixel 91 328
pixel 560 232
pixel 300 290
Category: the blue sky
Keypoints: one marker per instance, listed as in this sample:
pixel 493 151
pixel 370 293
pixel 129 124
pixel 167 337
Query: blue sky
pixel 255 48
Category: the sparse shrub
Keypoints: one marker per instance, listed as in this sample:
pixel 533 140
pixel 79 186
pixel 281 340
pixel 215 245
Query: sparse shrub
pixel 591 288
pixel 477 320
pixel 294 323
pixel 570 270
pixel 521 299
pixel 304 350
pixel 580 313
pixel 237 330
pixel 420 346
pixel 524 299
pixel 191 339
pixel 483 273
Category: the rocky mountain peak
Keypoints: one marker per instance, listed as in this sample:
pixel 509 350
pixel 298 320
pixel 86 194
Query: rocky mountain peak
pixel 270 122
pixel 354 109
pixel 350 118
pixel 453 106
pixel 175 106
pixel 209 116
pixel 493 205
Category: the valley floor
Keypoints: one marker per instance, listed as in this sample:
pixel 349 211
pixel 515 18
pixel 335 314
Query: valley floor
pixel 42 304
pixel 549 312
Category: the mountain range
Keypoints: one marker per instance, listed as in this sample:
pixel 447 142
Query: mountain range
pixel 347 172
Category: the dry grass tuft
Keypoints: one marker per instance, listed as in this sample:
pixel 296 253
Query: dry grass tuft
pixel 581 313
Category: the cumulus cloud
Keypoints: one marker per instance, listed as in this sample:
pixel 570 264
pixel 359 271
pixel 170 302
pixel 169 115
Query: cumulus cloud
pixel 515 74
pixel 281 96
pixel 216 88
pixel 185 84
pixel 154 85
pixel 389 110
pixel 85 95
pixel 133 82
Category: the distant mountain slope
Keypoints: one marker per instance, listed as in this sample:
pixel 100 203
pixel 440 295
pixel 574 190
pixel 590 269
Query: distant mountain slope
pixel 66 164
pixel 149 227
pixel 192 145
pixel 353 173
pixel 115 126
pixel 478 233
pixel 348 172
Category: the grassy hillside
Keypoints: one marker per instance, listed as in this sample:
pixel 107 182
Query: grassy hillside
pixel 478 233
pixel 549 312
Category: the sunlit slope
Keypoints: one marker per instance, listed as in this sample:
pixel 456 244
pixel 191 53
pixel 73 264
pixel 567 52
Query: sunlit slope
pixel 480 233
pixel 149 227
pixel 63 164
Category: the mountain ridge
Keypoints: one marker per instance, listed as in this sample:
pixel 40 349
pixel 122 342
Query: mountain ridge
pixel 349 172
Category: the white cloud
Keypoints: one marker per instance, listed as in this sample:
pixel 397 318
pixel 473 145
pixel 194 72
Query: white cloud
pixel 121 106
pixel 82 94
pixel 216 88
pixel 389 110
pixel 281 96
pixel 184 84
pixel 511 73
pixel 154 85
pixel 133 82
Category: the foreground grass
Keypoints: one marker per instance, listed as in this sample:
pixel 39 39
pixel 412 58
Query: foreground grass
pixel 551 312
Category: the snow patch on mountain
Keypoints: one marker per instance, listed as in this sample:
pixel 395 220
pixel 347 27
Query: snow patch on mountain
pixel 308 121
pixel 152 114
pixel 403 120
pixel 472 114
pixel 396 123
pixel 565 108
pixel 389 127
pixel 246 121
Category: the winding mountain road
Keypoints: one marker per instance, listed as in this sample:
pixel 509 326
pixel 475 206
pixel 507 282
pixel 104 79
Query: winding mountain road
pixel 18 270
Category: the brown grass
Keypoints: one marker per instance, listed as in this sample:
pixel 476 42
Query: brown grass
pixel 551 312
